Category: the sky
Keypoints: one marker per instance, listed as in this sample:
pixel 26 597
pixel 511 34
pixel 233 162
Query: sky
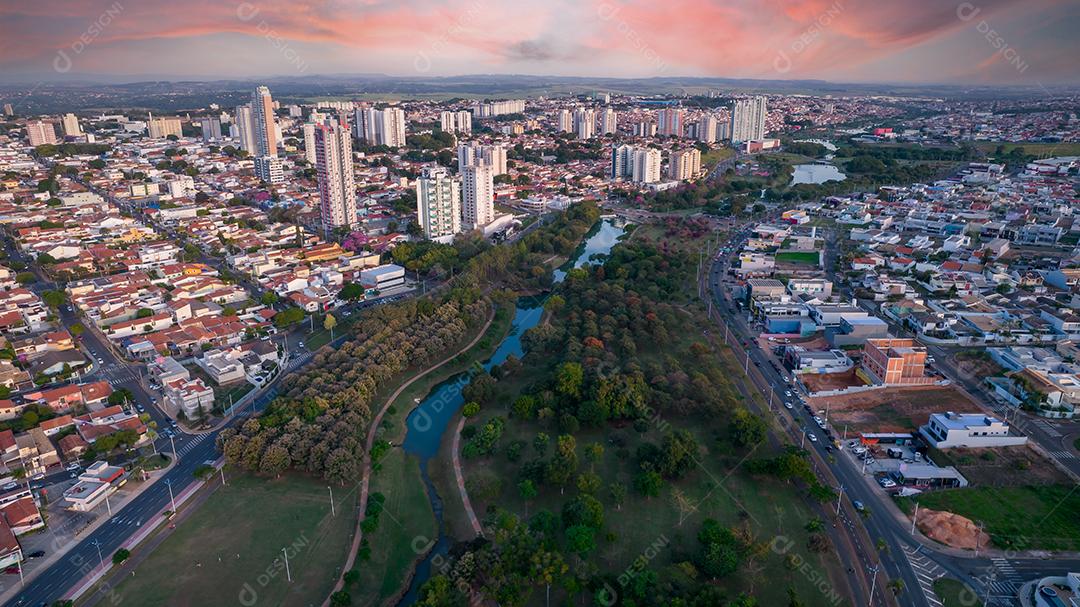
pixel 919 41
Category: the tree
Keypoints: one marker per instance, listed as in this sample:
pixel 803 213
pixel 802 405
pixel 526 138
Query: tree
pixel 470 409
pixel 581 539
pixel 54 299
pixel 77 329
pixel 648 483
pixel 120 556
pixel 541 442
pixel 569 378
pixel 617 491
pixel 720 553
pixel 329 323
pixel 897 586
pixel 351 291
pixel 269 298
pixel 747 429
pixel 340 598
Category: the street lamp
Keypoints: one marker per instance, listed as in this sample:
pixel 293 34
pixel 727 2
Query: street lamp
pixel 172 500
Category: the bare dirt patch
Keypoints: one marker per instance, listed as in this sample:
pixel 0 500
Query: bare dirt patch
pixel 893 409
pixel 951 529
pixel 820 382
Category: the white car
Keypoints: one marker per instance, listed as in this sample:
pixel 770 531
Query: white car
pixel 813 437
pixel 859 450
pixel 886 483
pixel 789 406
pixel 787 393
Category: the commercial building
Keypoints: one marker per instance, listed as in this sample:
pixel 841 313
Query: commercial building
pixel 334 167
pixel 895 362
pixel 94 485
pixel 478 196
pixel 947 430
pixel 40 133
pixel 748 119
pixel 438 204
pixel 382 277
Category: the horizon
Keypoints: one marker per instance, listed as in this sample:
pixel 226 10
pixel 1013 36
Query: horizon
pixel 991 43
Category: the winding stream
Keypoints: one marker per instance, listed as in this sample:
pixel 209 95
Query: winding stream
pixel 430 419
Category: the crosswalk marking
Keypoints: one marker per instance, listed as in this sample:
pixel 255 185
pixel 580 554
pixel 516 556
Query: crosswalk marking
pixel 1048 428
pixel 926 571
pixel 1063 454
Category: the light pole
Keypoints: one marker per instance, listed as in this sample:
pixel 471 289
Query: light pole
pixel 172 500
pixel 332 512
pixel 288 574
pixel 914 518
pixel 101 560
pixel 176 458
pixel 873 584
pixel 838 498
pixel 222 471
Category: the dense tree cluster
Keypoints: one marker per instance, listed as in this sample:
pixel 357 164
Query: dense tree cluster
pixel 318 423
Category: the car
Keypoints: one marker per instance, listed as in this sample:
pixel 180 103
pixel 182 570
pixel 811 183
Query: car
pixel 828 448
pixel 36 554
pixel 301 344
pixel 9 486
pixel 858 506
pixel 787 393
pixel 858 450
pixel 788 405
pixel 887 483
pixel 813 437
pixel 38 476
pixel 12 569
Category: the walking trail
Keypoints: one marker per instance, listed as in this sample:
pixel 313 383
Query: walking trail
pixel 366 475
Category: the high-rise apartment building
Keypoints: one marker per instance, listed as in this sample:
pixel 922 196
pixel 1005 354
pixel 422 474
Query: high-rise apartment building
pixel 646 168
pixel 566 121
pixel 309 143
pixel 478 196
pixel 645 129
pixel 684 164
pixel 498 108
pixel 160 128
pixel 670 122
pixel 748 119
pixel 706 129
pixel 622 161
pixel 40 133
pixel 363 124
pixel 584 123
pixel 334 167
pixel 71 125
pixel 211 129
pixel 455 122
pixel 608 121
pixel 390 127
pixel 245 129
pixel 438 204
pixel 8 110
pixel 471 154
pixel 262 120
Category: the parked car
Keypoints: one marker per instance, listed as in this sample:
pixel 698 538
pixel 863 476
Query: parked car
pixel 886 483
pixel 813 437
pixel 858 505
pixel 36 554
pixel 9 486
pixel 788 405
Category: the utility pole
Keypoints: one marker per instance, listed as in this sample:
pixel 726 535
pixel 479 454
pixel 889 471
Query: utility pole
pixel 107 504
pixel 978 536
pixel 332 512
pixel 172 442
pixel 838 499
pixel 989 582
pixel 915 518
pixel 222 471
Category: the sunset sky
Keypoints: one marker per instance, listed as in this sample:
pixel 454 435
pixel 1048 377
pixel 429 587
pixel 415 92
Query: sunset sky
pixel 980 42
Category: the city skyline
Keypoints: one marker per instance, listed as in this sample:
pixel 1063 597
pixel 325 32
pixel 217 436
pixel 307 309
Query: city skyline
pixel 992 42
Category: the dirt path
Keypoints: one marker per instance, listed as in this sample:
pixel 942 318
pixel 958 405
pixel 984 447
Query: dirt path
pixel 456 456
pixel 366 474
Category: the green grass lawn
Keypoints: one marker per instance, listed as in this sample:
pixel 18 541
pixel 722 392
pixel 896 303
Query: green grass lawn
pixel 404 526
pixel 1038 149
pixel 253 518
pixel 1020 518
pixel 803 257
pixel 955 594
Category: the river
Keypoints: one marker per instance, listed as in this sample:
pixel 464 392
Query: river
pixel 430 419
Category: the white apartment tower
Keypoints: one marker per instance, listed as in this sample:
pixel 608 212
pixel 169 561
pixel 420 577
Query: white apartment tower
pixel 438 204
pixel 264 130
pixel 685 164
pixel 748 119
pixel 478 196
pixel 390 127
pixel 245 129
pixel 309 143
pixel 622 161
pixel 471 154
pixel 566 121
pixel 584 123
pixel 71 125
pixel 40 133
pixel 607 121
pixel 706 129
pixel 333 164
pixel 455 122
pixel 646 167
